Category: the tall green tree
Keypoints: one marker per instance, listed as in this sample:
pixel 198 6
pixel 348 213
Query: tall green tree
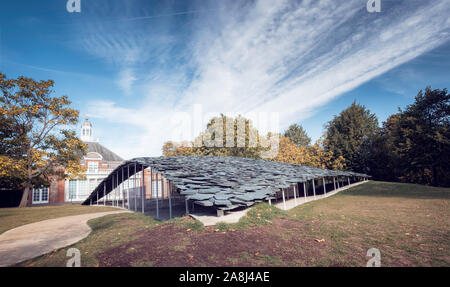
pixel 419 139
pixel 36 143
pixel 348 133
pixel 297 135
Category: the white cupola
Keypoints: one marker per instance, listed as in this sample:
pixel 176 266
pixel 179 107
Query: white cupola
pixel 86 131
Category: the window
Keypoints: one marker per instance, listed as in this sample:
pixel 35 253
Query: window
pixel 36 195
pixel 40 195
pixel 72 189
pixel 82 188
pixel 156 184
pixel 44 194
pixel 92 166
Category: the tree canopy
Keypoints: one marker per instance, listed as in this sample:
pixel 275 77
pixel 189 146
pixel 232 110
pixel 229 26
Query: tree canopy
pixel 416 142
pixel 36 142
pixel 348 132
pixel 297 135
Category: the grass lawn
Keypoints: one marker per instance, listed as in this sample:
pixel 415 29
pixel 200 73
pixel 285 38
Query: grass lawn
pixel 408 223
pixel 14 217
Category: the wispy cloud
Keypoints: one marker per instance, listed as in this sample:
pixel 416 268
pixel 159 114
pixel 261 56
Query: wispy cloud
pixel 289 57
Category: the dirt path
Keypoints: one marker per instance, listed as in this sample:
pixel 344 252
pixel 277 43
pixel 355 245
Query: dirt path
pixel 35 239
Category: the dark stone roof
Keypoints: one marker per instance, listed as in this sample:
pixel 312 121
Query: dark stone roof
pixel 103 151
pixel 223 182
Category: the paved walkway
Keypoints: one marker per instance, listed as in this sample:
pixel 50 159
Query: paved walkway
pixel 35 239
pixel 292 202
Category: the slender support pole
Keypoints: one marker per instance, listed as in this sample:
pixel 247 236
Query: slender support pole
pixel 112 189
pixel 334 182
pixel 143 188
pixel 314 188
pixel 135 187
pixel 128 187
pixel 97 198
pixel 324 187
pixel 348 178
pixel 157 195
pixel 295 195
pixel 104 193
pixel 187 206
pixel 284 200
pixel 304 190
pixel 117 189
pixel 121 192
pixel 170 199
pixel 338 182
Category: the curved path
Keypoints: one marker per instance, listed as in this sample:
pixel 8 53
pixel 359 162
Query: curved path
pixel 35 239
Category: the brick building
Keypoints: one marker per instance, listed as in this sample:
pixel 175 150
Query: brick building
pixel 99 162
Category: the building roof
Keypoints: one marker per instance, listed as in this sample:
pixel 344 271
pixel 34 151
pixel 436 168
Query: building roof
pixel 222 182
pixel 103 151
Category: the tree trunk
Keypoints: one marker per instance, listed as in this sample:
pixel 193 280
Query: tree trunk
pixel 26 191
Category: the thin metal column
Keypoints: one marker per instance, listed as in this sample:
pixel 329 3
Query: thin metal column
pixel 128 187
pixel 157 195
pixel 187 206
pixel 338 182
pixel 324 187
pixel 97 198
pixel 170 199
pixel 117 189
pixel 314 188
pixel 304 190
pixel 135 187
pixel 143 188
pixel 295 195
pixel 112 189
pixel 334 182
pixel 121 192
pixel 348 178
pixel 104 193
pixel 284 201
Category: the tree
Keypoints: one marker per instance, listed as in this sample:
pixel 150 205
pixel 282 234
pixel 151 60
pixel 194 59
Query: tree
pixel 312 155
pixel 224 136
pixel 419 139
pixel 348 132
pixel 297 135
pixel 36 143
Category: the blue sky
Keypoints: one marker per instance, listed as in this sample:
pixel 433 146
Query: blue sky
pixel 140 69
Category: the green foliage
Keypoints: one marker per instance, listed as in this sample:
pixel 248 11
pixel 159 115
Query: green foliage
pixel 297 135
pixel 414 144
pixel 348 133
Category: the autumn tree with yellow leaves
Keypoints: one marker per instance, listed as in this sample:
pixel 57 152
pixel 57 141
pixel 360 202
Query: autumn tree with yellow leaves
pixel 35 140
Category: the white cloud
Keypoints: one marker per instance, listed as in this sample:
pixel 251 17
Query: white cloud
pixel 125 80
pixel 289 57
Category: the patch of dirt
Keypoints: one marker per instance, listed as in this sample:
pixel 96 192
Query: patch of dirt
pixel 260 246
